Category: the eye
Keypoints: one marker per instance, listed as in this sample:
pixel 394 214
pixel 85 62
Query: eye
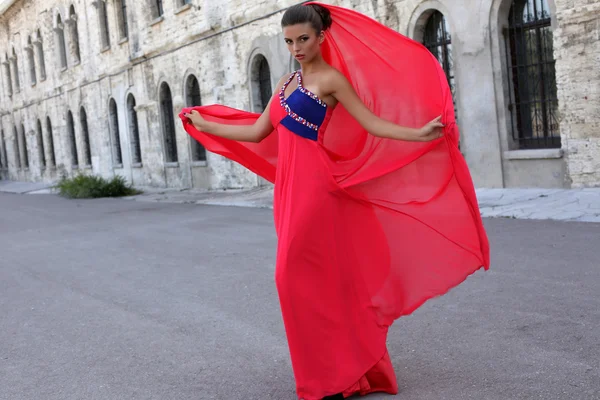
pixel 304 38
pixel 288 41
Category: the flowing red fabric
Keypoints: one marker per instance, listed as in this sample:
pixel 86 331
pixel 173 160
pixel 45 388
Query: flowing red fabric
pixel 368 228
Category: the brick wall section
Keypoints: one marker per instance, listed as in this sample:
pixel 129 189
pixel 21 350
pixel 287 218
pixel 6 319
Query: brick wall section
pixel 577 52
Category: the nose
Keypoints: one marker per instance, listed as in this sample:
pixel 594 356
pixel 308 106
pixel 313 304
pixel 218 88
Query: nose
pixel 295 47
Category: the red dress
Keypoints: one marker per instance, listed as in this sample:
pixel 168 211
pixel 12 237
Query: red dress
pixel 368 228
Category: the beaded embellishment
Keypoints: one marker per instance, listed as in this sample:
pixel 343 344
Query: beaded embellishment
pixel 286 107
pixel 308 92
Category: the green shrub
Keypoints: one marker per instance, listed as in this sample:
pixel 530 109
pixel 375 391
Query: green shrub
pixel 88 187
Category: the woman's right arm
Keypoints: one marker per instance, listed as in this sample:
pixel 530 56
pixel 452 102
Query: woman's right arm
pixel 241 133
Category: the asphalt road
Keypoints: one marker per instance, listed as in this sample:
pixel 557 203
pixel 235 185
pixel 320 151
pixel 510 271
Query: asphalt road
pixel 115 299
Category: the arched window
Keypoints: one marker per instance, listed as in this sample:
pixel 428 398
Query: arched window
pixel 261 83
pixel 534 103
pixel 72 139
pixel 438 40
pixel 40 143
pixel 134 131
pixel 31 61
pixel 157 8
pixel 74 35
pixel 41 61
pixel 17 148
pixel 85 137
pixel 4 154
pixel 7 75
pixel 192 94
pixel 25 152
pixel 15 69
pixel 61 45
pixel 115 134
pixel 103 23
pixel 121 6
pixel 51 151
pixel 168 123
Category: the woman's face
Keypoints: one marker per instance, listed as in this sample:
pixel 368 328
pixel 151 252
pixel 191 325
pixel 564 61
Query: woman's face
pixel 303 42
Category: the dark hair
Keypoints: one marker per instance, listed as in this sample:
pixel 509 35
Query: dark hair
pixel 318 16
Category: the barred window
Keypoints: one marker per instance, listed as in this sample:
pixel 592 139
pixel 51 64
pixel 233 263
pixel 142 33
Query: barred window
pixel 72 139
pixel 74 35
pixel 114 131
pixel 60 40
pixel 15 69
pixel 533 98
pixel 31 61
pixel 23 144
pixel 134 131
pixel 103 22
pixel 157 8
pixel 51 151
pixel 261 83
pixel 168 123
pixel 122 18
pixel 41 60
pixel 193 99
pixel 40 143
pixel 85 137
pixel 7 75
pixel 3 154
pixel 438 40
pixel 17 148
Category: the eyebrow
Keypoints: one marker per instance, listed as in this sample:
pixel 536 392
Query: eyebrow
pixel 304 34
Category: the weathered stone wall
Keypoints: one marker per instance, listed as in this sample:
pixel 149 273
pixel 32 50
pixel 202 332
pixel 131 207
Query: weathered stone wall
pixel 216 41
pixel 577 51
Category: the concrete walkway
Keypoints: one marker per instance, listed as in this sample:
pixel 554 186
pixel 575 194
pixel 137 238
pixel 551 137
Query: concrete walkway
pixel 25 187
pixel 556 204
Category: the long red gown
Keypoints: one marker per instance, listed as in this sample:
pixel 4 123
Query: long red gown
pixel 368 228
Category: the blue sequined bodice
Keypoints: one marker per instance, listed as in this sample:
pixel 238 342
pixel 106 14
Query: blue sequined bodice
pixel 305 110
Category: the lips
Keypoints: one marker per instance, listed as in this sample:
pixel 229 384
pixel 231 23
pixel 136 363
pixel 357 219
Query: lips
pixel 299 56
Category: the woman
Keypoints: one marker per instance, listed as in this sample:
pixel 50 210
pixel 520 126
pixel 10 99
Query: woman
pixel 374 208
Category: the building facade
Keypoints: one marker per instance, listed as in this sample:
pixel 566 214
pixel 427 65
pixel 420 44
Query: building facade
pixel 95 86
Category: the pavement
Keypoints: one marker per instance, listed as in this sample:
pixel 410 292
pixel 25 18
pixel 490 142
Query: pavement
pixel 25 187
pixel 581 205
pixel 123 300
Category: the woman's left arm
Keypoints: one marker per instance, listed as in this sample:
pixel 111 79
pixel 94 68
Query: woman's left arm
pixel 342 90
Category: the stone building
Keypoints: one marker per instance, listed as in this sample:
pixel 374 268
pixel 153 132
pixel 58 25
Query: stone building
pixel 95 86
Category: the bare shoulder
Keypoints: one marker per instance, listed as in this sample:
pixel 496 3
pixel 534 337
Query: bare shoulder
pixel 282 81
pixel 333 80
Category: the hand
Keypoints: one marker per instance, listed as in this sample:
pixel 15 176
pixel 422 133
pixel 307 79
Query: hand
pixel 431 131
pixel 196 119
